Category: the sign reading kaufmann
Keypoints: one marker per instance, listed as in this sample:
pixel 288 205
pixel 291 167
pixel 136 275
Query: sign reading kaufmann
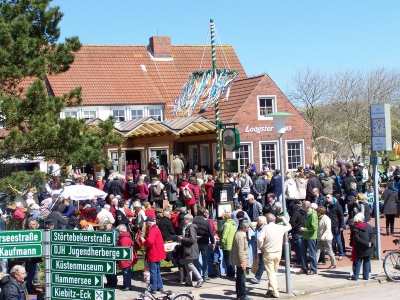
pixel 26 250
pixel 82 266
pixel 92 252
pixel 102 238
pixel 21 237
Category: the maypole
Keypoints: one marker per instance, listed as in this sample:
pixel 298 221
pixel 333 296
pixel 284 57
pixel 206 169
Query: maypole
pixel 204 89
pixel 220 154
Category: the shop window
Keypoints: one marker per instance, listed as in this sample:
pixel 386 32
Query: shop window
pixel 114 161
pixel 294 154
pixel 155 113
pixel 136 114
pixel 193 155
pixel 71 114
pixel 119 115
pixel 89 114
pixel 160 157
pixel 268 153
pixel 205 155
pixel 266 105
pixel 244 154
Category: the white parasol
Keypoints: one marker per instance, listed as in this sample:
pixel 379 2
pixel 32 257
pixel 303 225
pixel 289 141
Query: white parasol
pixel 82 192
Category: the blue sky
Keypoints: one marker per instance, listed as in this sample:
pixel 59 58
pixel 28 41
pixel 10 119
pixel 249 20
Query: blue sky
pixel 277 37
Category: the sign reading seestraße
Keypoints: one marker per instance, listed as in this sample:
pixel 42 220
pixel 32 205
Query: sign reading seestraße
pixel 102 238
pixel 92 252
pixel 21 236
pixel 83 266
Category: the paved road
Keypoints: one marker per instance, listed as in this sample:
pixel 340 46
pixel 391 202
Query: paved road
pixel 389 290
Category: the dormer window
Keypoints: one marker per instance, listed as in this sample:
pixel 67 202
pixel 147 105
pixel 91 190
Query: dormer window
pixel 119 115
pixel 266 105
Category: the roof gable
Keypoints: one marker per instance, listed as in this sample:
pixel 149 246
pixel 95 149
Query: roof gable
pixel 129 75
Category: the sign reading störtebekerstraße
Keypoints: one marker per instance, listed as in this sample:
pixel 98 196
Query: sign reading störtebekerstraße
pixel 99 238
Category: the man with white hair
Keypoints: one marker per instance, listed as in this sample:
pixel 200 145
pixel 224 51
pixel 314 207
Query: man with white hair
pixel 104 215
pixel 177 167
pixel 270 244
pixel 254 208
pixel 13 286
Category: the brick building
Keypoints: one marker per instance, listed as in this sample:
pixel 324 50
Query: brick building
pixel 138 84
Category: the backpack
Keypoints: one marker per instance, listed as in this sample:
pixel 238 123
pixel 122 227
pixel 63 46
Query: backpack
pixel 187 193
pixel 156 189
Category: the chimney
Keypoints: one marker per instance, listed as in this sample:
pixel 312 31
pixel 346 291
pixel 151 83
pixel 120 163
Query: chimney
pixel 161 46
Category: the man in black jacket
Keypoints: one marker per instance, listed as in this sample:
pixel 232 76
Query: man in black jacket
pixel 335 213
pixel 259 189
pixel 296 221
pixel 318 198
pixel 312 183
pixel 117 187
pixel 12 286
pixel 204 236
pixel 358 174
pixel 166 228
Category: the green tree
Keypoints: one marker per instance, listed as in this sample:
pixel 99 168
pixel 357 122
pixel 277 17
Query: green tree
pixel 29 50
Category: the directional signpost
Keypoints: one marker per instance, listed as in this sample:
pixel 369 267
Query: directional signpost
pixel 79 260
pixel 82 266
pixel 21 243
pixel 92 252
pixel 62 292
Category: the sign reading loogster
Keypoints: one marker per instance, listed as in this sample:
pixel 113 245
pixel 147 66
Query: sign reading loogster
pixel 263 129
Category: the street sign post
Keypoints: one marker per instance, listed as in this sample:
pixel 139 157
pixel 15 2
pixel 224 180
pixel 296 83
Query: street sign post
pixel 83 266
pixel 16 237
pixel 99 238
pixel 92 252
pixel 63 293
pixel 76 279
pixel 25 250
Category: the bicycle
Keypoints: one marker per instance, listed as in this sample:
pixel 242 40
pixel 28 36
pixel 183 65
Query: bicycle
pixel 168 295
pixel 391 263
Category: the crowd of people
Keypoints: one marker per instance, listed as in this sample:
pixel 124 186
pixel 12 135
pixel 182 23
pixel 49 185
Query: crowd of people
pixel 177 205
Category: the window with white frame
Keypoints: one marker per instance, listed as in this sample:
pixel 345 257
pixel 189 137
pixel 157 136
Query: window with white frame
pixel 155 113
pixel 268 154
pixel 71 114
pixel 119 115
pixel 160 156
pixel 136 114
pixel 266 105
pixel 244 154
pixel 294 154
pixel 89 114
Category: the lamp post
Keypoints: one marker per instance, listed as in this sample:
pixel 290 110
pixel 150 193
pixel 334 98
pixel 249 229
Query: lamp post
pixel 280 128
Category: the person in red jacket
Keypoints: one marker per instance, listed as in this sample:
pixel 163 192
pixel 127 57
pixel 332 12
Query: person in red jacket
pixel 189 203
pixel 154 244
pixel 125 240
pixel 99 183
pixel 209 193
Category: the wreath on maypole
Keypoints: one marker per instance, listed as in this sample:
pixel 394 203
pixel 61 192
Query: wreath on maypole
pixel 203 89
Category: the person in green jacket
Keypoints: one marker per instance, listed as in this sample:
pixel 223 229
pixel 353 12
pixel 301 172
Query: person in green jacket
pixel 310 231
pixel 226 240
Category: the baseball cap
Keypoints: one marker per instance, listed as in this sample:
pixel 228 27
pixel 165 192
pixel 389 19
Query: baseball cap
pixel 107 222
pixel 50 222
pixel 118 197
pixel 297 201
pixel 150 219
pixel 87 206
pixel 83 223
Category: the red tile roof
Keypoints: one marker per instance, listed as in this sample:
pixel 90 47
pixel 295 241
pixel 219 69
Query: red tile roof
pixel 121 75
pixel 241 90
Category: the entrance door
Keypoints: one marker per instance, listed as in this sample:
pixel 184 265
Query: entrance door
pixel 134 155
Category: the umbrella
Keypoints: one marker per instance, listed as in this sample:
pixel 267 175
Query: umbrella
pixel 82 192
